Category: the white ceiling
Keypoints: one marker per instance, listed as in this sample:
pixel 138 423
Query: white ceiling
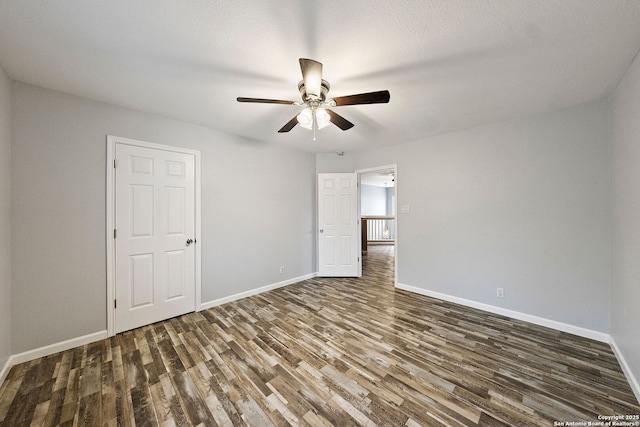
pixel 449 64
pixel 381 178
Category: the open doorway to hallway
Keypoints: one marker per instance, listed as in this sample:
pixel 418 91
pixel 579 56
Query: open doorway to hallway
pixel 378 214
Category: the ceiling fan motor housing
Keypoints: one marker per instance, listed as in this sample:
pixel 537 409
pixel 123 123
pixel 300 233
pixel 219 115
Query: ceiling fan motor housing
pixel 324 89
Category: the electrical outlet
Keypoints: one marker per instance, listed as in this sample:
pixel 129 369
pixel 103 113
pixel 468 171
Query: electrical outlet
pixel 282 270
pixel 500 292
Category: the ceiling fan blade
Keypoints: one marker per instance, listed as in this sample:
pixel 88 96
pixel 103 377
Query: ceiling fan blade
pixel 290 125
pixel 339 121
pixel 265 101
pixel 379 97
pixel 312 77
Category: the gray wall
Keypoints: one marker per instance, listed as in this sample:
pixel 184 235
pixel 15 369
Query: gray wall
pixel 5 218
pixel 522 205
pixel 256 205
pixel 625 247
pixel 391 192
pixel 373 200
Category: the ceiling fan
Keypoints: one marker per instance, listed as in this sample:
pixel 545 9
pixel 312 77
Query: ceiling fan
pixel 313 90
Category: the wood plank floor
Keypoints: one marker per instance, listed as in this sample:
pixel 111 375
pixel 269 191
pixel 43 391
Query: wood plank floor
pixel 325 352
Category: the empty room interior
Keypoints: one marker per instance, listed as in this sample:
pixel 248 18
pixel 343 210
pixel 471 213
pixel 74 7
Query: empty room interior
pixel 288 212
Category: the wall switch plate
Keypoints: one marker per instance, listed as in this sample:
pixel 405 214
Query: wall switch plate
pixel 500 292
pixel 282 270
pixel 405 209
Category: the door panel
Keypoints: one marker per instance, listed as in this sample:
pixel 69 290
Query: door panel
pixel 338 237
pixel 154 218
pixel 345 250
pixel 141 282
pixel 175 210
pixel 175 274
pixel 141 210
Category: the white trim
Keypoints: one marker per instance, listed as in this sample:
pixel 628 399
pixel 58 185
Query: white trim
pixel 48 350
pixel 377 168
pixel 5 370
pixel 626 369
pixel 559 326
pixel 359 221
pixel 198 225
pixel 110 219
pixel 109 227
pixel 97 336
pixel 553 324
pixel 256 291
pixel 395 211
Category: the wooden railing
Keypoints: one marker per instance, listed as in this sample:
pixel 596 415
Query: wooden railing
pixel 378 229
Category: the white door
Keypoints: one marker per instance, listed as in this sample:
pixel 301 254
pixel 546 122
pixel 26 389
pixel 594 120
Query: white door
pixel 155 233
pixel 338 225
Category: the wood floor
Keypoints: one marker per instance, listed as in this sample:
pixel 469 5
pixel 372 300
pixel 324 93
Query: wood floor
pixel 325 352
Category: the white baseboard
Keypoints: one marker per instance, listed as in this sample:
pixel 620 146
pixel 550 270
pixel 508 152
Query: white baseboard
pixel 564 327
pixel 256 291
pixel 5 370
pixel 633 381
pixel 75 342
pixel 583 332
pixel 49 349
pixel 553 324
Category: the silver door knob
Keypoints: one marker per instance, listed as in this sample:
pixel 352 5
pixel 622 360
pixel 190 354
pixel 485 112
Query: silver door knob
pixel 189 241
pixel 321 230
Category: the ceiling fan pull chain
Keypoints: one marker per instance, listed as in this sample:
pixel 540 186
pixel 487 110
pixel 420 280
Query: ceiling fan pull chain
pixel 315 124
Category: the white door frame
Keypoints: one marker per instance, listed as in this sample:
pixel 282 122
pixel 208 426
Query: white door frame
pixel 395 209
pixel 110 225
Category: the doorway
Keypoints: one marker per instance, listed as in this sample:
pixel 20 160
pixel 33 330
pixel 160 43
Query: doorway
pixel 153 223
pixel 378 210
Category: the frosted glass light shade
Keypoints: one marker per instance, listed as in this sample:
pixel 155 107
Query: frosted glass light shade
pixel 322 118
pixel 305 119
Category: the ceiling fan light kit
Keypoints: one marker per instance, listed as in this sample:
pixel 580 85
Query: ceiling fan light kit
pixel 313 90
pixel 310 118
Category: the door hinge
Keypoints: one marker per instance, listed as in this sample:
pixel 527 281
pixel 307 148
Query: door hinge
pixel 115 303
pixel 114 233
pixel 114 163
